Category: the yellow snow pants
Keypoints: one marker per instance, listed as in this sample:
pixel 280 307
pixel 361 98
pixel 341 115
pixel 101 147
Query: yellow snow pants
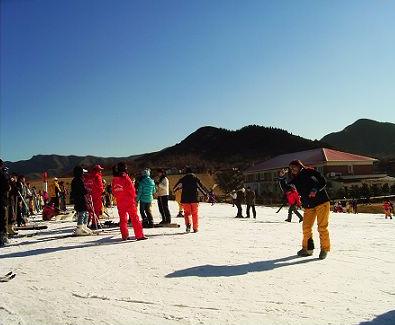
pixel 321 212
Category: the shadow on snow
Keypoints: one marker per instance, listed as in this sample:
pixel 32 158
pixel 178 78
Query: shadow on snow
pixel 235 270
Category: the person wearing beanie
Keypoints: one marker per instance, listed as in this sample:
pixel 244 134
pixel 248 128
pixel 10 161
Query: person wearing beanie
pixel 145 195
pixel 79 194
pixel 125 195
pixel 190 185
pixel 163 197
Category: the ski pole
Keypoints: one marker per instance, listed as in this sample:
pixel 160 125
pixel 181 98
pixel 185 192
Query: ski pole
pixel 282 205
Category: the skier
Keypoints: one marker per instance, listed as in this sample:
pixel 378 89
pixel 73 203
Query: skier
pixel 163 197
pixel 125 194
pixel 250 200
pixel 315 200
pixel 294 203
pixel 190 185
pixel 146 190
pixel 80 195
pixel 240 198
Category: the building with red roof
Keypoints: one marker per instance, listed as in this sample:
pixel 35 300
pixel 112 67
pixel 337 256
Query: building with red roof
pixel 342 169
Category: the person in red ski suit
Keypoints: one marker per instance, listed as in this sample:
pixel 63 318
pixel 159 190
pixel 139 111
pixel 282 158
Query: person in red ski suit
pixel 387 209
pixel 125 194
pixel 94 184
pixel 294 203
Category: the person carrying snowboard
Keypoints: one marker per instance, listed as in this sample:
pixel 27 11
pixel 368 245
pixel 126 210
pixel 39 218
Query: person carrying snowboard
pixel 315 200
pixel 125 194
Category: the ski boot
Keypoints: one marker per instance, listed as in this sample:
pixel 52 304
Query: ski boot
pixel 323 255
pixel 188 228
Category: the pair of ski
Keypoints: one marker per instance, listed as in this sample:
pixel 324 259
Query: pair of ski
pixel 9 276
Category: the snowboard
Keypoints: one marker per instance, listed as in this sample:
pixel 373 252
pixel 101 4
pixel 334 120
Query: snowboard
pixel 166 225
pixel 31 227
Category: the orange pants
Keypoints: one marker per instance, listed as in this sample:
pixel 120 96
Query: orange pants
pixel 321 212
pixel 191 209
pixel 130 210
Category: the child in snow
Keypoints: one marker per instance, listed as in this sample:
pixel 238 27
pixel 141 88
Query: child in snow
pixel 125 193
pixel 294 203
pixel 387 209
pixel 177 194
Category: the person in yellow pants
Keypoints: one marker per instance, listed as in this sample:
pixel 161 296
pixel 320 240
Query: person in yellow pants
pixel 315 201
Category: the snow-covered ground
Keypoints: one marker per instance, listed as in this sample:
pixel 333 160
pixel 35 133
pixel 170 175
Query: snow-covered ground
pixel 234 271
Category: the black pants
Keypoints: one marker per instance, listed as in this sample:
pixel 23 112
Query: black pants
pixel 3 218
pixel 239 210
pixel 146 215
pixel 252 206
pixel 163 203
pixel 294 209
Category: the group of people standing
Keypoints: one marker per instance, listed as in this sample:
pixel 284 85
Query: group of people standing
pixel 123 189
pixel 18 201
pixel 87 190
pixel 243 196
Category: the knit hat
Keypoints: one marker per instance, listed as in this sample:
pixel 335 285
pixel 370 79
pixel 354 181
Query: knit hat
pixel 146 172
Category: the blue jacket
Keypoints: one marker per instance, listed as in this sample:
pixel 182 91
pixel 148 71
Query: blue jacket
pixel 146 190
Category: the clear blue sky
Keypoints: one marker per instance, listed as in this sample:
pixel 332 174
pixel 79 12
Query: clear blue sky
pixel 115 78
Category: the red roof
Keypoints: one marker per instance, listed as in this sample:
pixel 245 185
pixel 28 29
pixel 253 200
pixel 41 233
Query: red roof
pixel 310 158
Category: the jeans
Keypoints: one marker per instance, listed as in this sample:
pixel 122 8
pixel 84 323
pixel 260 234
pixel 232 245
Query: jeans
pixel 82 218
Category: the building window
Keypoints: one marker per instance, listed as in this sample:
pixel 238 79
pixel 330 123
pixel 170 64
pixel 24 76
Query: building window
pixel 350 169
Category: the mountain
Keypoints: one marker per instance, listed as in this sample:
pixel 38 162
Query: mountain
pixel 206 148
pixel 366 137
pixel 220 147
pixel 57 165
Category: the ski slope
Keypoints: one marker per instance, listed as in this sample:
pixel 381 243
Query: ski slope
pixel 233 271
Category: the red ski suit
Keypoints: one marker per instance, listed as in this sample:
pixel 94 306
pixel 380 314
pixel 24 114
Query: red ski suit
pixel 125 194
pixel 94 184
pixel 293 198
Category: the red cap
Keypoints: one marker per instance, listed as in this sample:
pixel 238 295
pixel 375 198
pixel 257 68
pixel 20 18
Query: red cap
pixel 98 167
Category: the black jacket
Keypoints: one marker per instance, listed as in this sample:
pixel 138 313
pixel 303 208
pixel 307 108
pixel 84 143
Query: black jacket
pixel 78 194
pixel 190 186
pixel 308 180
pixel 4 187
pixel 250 197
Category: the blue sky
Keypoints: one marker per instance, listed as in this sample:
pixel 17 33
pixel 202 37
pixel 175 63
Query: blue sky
pixel 116 78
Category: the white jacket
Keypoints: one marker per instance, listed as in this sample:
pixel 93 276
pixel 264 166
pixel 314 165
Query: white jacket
pixel 163 187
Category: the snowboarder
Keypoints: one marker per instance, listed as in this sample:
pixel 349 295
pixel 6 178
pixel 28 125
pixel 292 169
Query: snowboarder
pixel 190 184
pixel 163 197
pixel 250 200
pixel 315 200
pixel 146 190
pixel 125 194
pixel 79 194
